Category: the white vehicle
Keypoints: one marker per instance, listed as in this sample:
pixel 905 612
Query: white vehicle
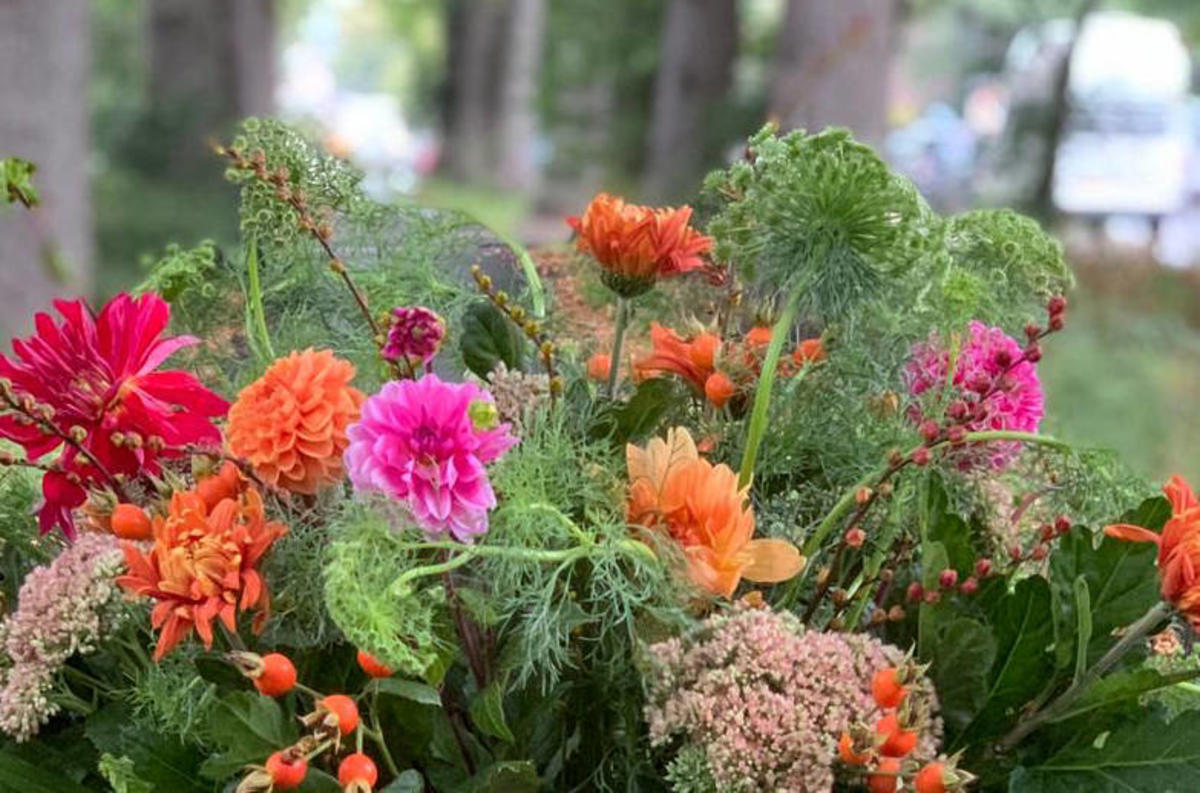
pixel 1126 147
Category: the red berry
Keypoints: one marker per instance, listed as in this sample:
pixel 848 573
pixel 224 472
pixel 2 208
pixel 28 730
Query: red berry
pixel 1016 553
pixel 930 779
pixel 286 773
pixel 983 567
pixel 956 434
pixel 1032 331
pixel 1062 524
pixel 970 586
pixel 1057 305
pixel 342 707
pixel 920 456
pixel 1046 532
pixel 129 522
pixel 371 666
pixel 1057 322
pixel 1033 353
pixel 357 767
pixel 887 689
pixel 855 537
pixel 958 410
pixel 1040 552
pixel 897 741
pixel 948 578
pixel 278 676
pixel 915 591
pixel 930 431
pixel 887 780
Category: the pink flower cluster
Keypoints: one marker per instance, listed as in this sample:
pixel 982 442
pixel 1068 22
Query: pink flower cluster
pixel 992 378
pixel 63 609
pixel 763 699
pixel 426 443
pixel 414 336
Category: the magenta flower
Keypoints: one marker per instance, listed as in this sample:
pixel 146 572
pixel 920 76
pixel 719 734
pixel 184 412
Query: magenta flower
pixel 418 441
pixel 414 336
pixel 1015 403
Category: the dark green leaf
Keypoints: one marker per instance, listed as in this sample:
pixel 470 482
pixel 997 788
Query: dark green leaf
pixel 316 781
pixel 507 777
pixel 1148 755
pixel 1124 689
pixel 1021 623
pixel 962 658
pixel 408 782
pixel 489 338
pixel 641 415
pixel 251 723
pixel 410 689
pixel 17 774
pixel 487 712
pixel 159 759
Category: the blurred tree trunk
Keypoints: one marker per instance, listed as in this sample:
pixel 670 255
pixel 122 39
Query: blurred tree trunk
pixel 44 69
pixel 832 66
pixel 475 54
pixel 518 112
pixel 699 45
pixel 211 63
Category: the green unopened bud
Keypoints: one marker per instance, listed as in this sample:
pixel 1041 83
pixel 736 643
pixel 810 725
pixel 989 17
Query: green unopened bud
pixel 483 415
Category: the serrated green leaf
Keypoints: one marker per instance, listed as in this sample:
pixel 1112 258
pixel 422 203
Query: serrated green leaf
pixel 489 338
pixel 408 782
pixel 962 659
pixel 411 690
pixel 1149 755
pixel 487 712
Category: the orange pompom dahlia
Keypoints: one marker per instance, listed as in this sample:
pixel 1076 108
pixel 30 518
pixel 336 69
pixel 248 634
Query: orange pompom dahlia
pixel 290 424
pixel 699 504
pixel 637 245
pixel 202 566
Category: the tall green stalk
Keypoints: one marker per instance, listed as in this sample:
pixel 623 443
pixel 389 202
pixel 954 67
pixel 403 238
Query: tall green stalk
pixel 762 394
pixel 254 304
pixel 623 312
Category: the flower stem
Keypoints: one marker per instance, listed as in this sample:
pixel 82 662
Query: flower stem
pixel 1133 634
pixel 623 312
pixel 376 735
pixel 255 301
pixel 762 394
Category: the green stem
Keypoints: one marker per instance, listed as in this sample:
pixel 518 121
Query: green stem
pixel 400 587
pixel 762 394
pixel 376 735
pixel 541 506
pixel 537 293
pixel 623 312
pixel 255 298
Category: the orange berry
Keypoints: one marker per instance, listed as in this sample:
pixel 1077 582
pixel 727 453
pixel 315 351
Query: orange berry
pixel 357 767
pixel 129 522
pixel 286 774
pixel 278 675
pixel 344 709
pixel 599 366
pixel 371 666
pixel 897 741
pixel 719 389
pixel 887 778
pixel 758 337
pixel 809 351
pixel 887 689
pixel 930 779
pixel 847 753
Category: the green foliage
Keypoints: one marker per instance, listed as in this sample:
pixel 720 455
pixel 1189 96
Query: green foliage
pixel 161 760
pixel 120 774
pixel 16 181
pixel 247 727
pixel 489 339
pixel 688 771
pixel 20 551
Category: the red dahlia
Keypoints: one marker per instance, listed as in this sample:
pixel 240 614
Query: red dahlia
pixel 94 378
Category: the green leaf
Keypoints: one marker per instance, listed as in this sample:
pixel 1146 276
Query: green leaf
pixel 316 781
pixel 489 338
pixel 1123 689
pixel 408 782
pixel 1083 613
pixel 1149 755
pixel 487 712
pixel 410 689
pixel 16 181
pixel 507 777
pixel 18 774
pixel 163 761
pixel 946 527
pixel 962 658
pixel 1121 579
pixel 641 415
pixel 1022 626
pixel 933 560
pixel 241 720
pixel 120 773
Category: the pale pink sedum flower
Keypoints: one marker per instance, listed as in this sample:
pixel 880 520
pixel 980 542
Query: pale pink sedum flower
pixel 426 443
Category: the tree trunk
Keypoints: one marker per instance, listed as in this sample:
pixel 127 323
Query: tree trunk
pixel 699 45
pixel 211 63
pixel 475 54
pixel 832 66
pixel 518 97
pixel 44 63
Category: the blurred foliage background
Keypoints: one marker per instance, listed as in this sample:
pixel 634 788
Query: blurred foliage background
pixel 518 110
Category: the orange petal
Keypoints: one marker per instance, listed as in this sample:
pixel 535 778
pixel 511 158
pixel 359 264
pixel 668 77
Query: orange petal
pixel 1125 531
pixel 1180 494
pixel 771 561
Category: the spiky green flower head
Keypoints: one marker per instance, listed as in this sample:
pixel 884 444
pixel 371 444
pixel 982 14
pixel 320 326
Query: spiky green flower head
pixel 821 214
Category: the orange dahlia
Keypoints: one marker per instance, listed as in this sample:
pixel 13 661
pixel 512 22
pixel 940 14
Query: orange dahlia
pixel 290 424
pixel 692 359
pixel 673 489
pixel 637 245
pixel 1178 548
pixel 201 566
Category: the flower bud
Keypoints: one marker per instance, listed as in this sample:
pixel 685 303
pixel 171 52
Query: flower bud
pixel 1032 331
pixel 957 435
pixel 915 592
pixel 983 567
pixel 970 586
pixel 1033 353
pixel 483 414
pixel 920 456
pixel 930 431
pixel 855 537
pixel 896 613
pixel 932 596
pixel 1040 552
pixel 948 578
pixel 1062 524
pixel 1057 305
pixel 1016 553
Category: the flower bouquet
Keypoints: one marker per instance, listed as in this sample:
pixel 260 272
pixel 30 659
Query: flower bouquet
pixel 364 505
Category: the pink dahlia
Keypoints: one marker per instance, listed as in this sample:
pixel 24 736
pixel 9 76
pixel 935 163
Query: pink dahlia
pixel 1011 393
pixel 94 378
pixel 420 441
pixel 415 335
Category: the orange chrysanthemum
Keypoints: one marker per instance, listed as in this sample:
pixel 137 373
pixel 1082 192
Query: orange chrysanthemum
pixel 700 505
pixel 693 359
pixel 290 424
pixel 637 245
pixel 202 565
pixel 1178 548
